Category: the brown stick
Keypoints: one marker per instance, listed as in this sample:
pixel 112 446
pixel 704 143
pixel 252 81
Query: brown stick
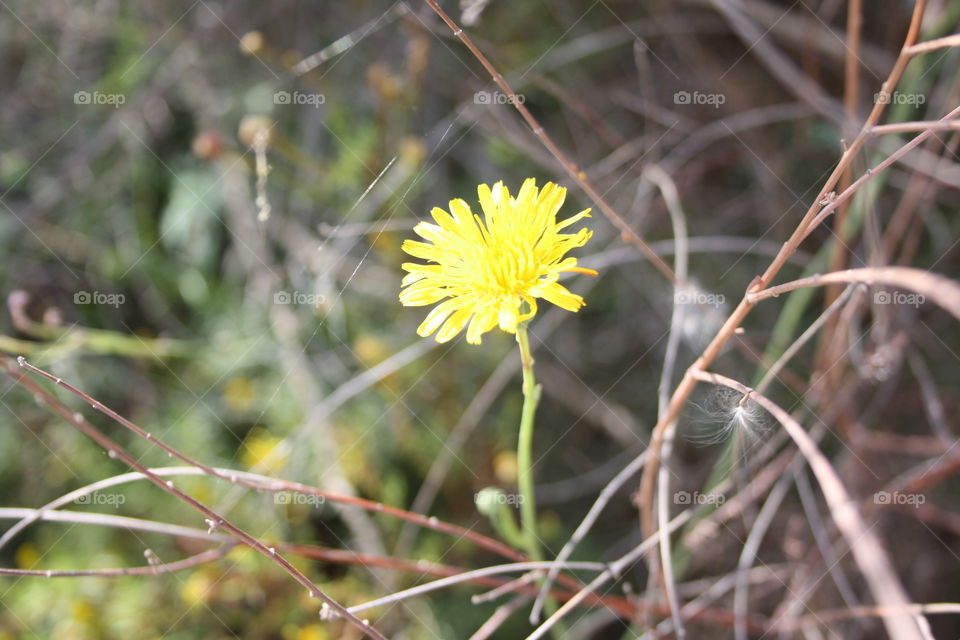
pixel 215 520
pixel 629 235
pixel 939 289
pixel 155 569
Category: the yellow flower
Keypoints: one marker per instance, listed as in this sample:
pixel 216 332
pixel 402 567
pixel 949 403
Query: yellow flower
pixel 485 270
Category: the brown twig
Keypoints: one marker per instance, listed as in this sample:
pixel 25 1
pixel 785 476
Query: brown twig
pixel 215 520
pixel 920 125
pixel 154 569
pixel 932 45
pixel 839 257
pixel 939 289
pixel 573 171
pixel 869 174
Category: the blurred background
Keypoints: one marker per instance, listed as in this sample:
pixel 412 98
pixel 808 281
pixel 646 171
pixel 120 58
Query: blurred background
pixel 201 211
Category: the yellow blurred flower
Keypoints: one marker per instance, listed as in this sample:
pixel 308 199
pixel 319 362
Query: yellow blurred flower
pixel 197 589
pixel 238 394
pixel 263 451
pixel 484 271
pixel 312 632
pixel 505 467
pixel 27 556
pixel 82 611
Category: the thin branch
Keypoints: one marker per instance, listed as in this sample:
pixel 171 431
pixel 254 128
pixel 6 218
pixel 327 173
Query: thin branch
pixel 500 616
pixel 810 331
pixel 114 450
pixel 819 531
pixel 819 618
pixel 204 557
pixel 921 125
pixel 573 171
pixel 871 173
pixel 939 289
pixel 265 483
pixel 678 219
pixel 443 583
pixel 110 520
pixel 750 548
pixel 606 494
pixel 613 570
pixel 933 45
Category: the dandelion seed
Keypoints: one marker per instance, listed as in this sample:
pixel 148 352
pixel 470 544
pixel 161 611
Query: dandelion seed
pixel 739 418
pixel 484 271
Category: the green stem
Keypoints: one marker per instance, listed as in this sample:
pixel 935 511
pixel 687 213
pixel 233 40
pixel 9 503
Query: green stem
pixel 531 395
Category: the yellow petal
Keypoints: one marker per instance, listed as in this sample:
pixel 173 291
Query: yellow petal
pixel 479 325
pixel 569 221
pixel 487 203
pixel 509 318
pixel 454 324
pixel 561 296
pixel 436 317
pixel 421 250
pixel 584 270
pixel 422 293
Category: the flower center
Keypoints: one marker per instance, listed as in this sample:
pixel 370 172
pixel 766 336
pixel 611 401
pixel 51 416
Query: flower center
pixel 507 271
